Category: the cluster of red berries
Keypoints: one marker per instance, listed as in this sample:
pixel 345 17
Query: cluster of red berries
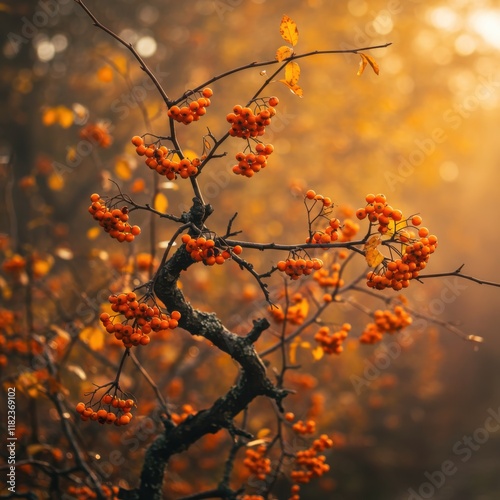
pixel 295 268
pixel 398 273
pixel 161 159
pixel 245 123
pixel 385 322
pixel 309 463
pixel 379 211
pixel 257 462
pixel 251 163
pixel 204 250
pixel 113 221
pixel 123 408
pixel 193 111
pixel 86 493
pixel 145 319
pixel 331 343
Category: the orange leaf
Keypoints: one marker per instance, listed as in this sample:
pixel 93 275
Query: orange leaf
pixel 283 52
pixel 294 89
pixel 362 64
pixel 123 169
pixel 289 31
pixel 105 74
pixel 373 64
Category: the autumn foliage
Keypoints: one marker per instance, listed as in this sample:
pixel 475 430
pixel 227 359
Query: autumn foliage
pixel 214 407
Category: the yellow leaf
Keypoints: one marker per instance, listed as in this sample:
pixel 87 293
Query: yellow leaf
pixel 373 64
pixel 65 116
pixel 93 336
pixel 292 73
pixel 55 182
pixel 288 30
pixel 294 89
pixel 190 154
pixel 71 154
pixel 317 353
pixel 372 254
pixel 305 345
pixel 284 52
pixel 362 64
pixel 263 433
pixel 121 64
pixel 122 169
pixel 292 353
pixel 105 74
pixel 160 203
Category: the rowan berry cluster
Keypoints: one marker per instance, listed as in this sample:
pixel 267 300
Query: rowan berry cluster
pixel 397 274
pixel 257 462
pixel 295 268
pixel 85 493
pixel 309 464
pixel 326 278
pixel 143 317
pixel 379 211
pixel 205 250
pixel 121 416
pixel 96 133
pixel 304 428
pixel 113 221
pixel 162 160
pixel 191 111
pixel 328 235
pixel 187 411
pixel 251 163
pixel 14 265
pixel 312 195
pixel 245 123
pixel 296 311
pixel 385 322
pixel 331 343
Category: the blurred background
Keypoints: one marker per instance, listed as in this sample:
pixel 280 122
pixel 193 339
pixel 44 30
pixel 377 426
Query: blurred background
pixel 424 132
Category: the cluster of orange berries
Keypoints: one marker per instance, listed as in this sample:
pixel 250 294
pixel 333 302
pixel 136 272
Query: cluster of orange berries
pixel 160 159
pixel 14 265
pixel 193 111
pixel 187 410
pixel 204 250
pixel 122 406
pixel 296 312
pixel 331 343
pixel 96 133
pixel 251 163
pixel 85 493
pixel 295 268
pixel 385 322
pixel 379 211
pixel 330 278
pixel 304 428
pixel 310 464
pixel 115 221
pixel 328 235
pixel 256 462
pixel 246 124
pixel 145 319
pixel 325 200
pixel 398 273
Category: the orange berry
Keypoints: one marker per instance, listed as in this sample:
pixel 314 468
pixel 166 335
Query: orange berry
pixel 137 140
pixel 237 249
pixel 310 194
pixel 207 92
pixel 416 220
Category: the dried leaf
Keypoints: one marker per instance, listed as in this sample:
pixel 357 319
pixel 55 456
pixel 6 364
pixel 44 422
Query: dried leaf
pixel 263 433
pixel 160 203
pixel 138 186
pixel 373 64
pixel 292 73
pixel 362 64
pixel 284 52
pixel 289 31
pixel 318 353
pixel 295 89
pixel 78 371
